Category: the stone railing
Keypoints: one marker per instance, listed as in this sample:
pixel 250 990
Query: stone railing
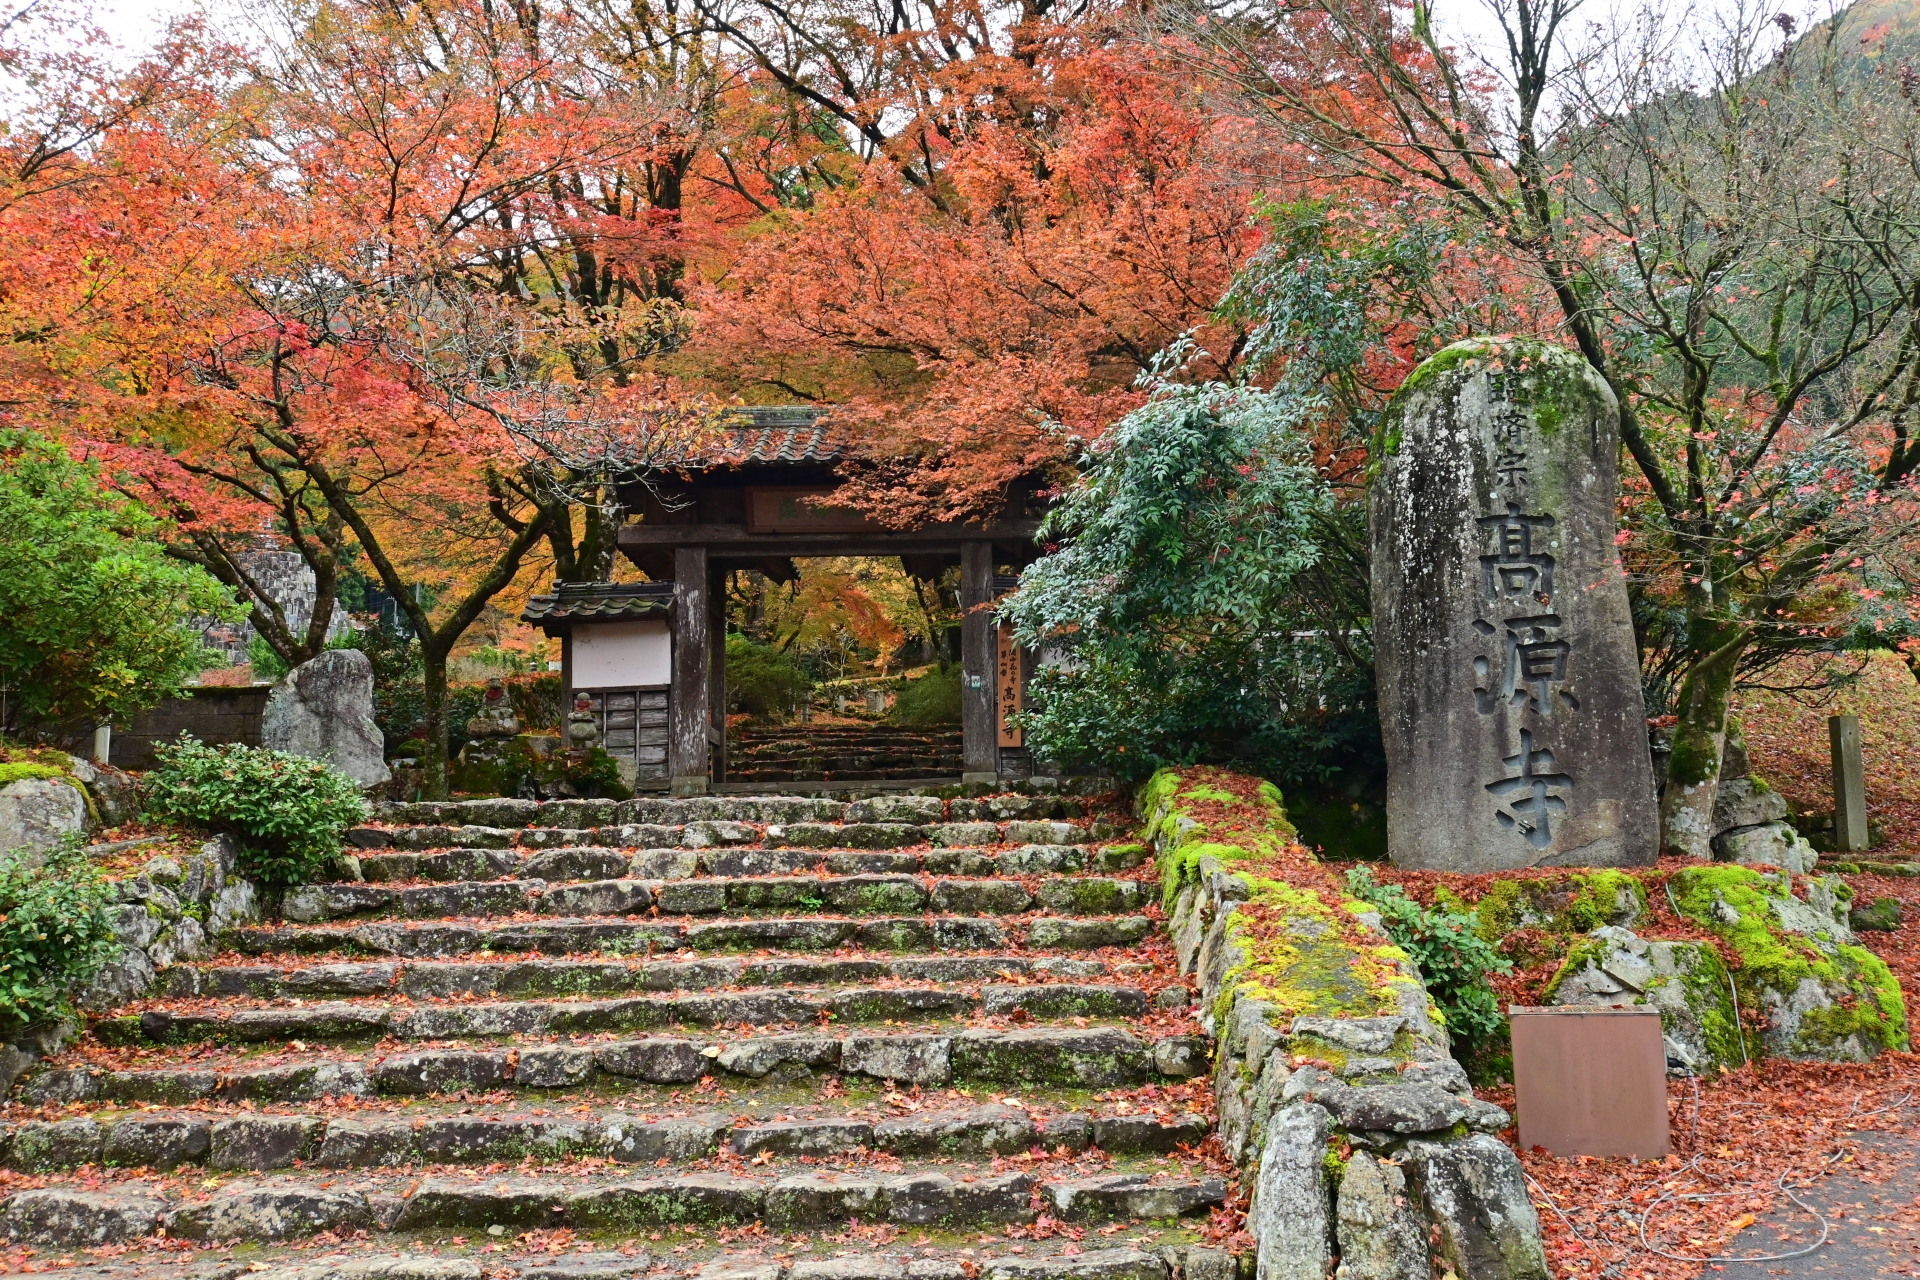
pixel 1338 1099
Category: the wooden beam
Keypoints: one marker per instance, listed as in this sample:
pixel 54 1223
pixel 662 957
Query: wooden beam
pixel 733 538
pixel 980 749
pixel 687 714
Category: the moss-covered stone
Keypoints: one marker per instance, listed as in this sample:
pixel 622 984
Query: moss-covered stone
pixel 1824 997
pixel 1882 915
pixel 1571 903
pixel 1296 947
pixel 1686 981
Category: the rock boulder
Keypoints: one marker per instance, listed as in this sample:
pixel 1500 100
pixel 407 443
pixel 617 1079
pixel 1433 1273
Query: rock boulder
pixel 38 813
pixel 323 709
pixel 1686 981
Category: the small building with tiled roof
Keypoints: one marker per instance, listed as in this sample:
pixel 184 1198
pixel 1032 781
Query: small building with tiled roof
pixel 759 499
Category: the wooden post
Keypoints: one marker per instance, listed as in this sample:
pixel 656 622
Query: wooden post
pixel 1849 784
pixel 687 715
pixel 717 664
pixel 980 748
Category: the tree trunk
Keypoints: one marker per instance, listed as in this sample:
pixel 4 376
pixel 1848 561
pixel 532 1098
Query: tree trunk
pixel 1699 737
pixel 433 680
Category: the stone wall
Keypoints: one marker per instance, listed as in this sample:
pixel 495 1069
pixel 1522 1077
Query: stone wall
pixel 1338 1099
pixel 171 911
pixel 214 715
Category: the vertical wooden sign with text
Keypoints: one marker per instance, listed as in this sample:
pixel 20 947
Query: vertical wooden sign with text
pixel 1010 690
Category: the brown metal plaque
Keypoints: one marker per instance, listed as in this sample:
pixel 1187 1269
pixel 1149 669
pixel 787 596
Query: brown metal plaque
pixel 1590 1082
pixel 798 510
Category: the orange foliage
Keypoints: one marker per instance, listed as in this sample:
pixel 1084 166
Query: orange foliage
pixel 975 319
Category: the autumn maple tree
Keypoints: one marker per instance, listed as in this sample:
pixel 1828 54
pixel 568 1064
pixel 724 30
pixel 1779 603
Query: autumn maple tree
pixel 269 359
pixel 1014 212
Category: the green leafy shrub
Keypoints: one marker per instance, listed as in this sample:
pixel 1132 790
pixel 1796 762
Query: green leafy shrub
pixel 932 699
pixel 762 681
pixel 266 664
pixel 289 813
pixel 93 612
pixel 399 700
pixel 54 931
pixel 1454 959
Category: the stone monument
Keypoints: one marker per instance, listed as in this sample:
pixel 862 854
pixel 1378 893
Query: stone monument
pixel 323 708
pixel 1508 676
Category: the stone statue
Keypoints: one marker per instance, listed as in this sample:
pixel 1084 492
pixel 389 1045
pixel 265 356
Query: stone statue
pixel 583 727
pixel 496 718
pixel 1509 681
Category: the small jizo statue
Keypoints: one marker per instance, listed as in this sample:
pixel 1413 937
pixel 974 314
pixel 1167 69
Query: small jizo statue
pixel 496 718
pixel 583 727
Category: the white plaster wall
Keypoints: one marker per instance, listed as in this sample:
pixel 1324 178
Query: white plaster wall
pixel 621 655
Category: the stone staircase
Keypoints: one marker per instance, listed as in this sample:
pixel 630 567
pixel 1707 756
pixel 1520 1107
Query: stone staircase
pixel 841 754
pixel 906 1037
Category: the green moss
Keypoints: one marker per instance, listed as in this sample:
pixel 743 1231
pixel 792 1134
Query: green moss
pixel 1572 903
pixel 1157 793
pixel 1588 951
pixel 1709 987
pixel 1336 1170
pixel 1182 863
pixel 1308 966
pixel 1771 959
pixel 1445 361
pixel 20 770
pixel 120 1033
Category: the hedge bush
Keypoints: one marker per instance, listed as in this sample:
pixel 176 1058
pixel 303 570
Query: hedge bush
pixel 762 681
pixel 288 813
pixel 54 931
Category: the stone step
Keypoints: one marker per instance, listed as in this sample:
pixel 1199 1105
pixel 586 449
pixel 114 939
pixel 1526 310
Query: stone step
pixel 841 771
pixel 931 762
pixel 840 733
pixel 859 894
pixel 340 1020
pixel 821 836
pixel 575 861
pixel 256 1143
pixel 529 1257
pixel 859 990
pixel 294 1207
pixel 428 979
pixel 1070 799
pixel 1074 1057
pixel 576 936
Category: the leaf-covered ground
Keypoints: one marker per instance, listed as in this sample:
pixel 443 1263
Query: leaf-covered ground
pixel 1787 739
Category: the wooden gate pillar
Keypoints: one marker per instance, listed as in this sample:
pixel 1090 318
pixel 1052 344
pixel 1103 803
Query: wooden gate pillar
pixel 980 748
pixel 717 670
pixel 688 715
